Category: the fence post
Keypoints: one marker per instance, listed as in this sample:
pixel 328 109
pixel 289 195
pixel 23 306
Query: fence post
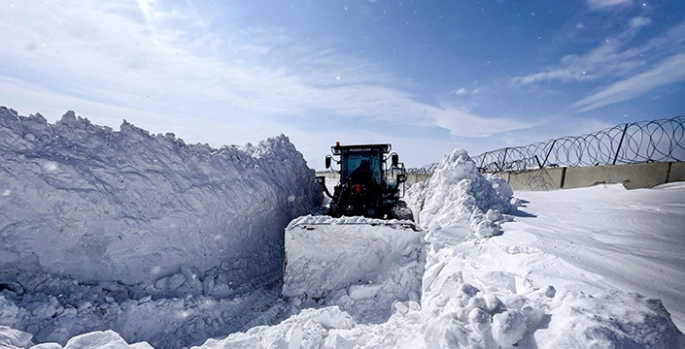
pixel 538 161
pixel 504 158
pixel 548 153
pixel 625 129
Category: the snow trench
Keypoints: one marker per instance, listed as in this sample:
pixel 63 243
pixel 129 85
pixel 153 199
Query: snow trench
pixel 466 302
pixel 474 293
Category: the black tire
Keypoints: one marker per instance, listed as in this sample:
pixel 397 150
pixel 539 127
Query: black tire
pixel 402 212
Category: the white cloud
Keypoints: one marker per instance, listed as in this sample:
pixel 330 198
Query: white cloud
pixel 640 22
pixel 461 91
pixel 606 4
pixel 667 72
pixel 166 71
pixel 107 54
pixel 464 124
pixel 612 58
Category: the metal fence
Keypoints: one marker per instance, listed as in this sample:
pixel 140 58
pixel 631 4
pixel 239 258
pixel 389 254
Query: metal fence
pixel 647 141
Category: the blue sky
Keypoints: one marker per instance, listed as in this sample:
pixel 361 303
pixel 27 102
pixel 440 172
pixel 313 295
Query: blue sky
pixel 426 76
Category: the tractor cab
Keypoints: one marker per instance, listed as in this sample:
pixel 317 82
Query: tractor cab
pixel 370 178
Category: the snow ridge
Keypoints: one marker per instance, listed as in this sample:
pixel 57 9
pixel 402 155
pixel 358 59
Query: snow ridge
pixel 457 195
pixel 95 204
pixel 108 219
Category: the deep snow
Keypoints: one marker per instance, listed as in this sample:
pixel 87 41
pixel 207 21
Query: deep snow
pixel 479 290
pixel 141 233
pixel 543 270
pixel 360 264
pixel 93 204
pixel 606 237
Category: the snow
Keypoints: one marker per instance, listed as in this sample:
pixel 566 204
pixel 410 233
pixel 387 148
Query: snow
pixel 134 207
pixel 478 292
pixel 603 238
pixel 143 234
pixel 457 197
pixel 362 265
pixel 596 267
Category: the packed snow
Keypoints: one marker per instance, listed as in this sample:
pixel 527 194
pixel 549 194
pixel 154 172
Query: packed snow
pixel 478 293
pixel 140 233
pixel 582 268
pixel 361 264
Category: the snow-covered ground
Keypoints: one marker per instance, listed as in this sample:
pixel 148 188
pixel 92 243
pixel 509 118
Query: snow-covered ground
pixel 605 237
pixel 536 270
pixel 488 284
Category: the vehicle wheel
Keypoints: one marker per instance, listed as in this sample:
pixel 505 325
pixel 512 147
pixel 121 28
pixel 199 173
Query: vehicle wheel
pixel 402 212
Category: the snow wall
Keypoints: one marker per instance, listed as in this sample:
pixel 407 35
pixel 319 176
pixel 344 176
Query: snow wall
pixel 82 201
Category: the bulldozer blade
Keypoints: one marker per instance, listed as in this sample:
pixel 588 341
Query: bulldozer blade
pixel 359 256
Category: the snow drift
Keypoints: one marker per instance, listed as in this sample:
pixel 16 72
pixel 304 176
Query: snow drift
pixel 458 197
pixel 89 203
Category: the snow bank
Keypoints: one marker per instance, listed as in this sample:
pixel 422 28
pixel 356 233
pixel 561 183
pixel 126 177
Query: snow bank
pixel 361 264
pixel 56 310
pixel 458 196
pixel 471 318
pixel 102 229
pixel 475 293
pixel 84 201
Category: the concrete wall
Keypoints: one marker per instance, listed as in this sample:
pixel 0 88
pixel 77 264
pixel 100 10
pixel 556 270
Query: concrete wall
pixel 414 178
pixel 632 176
pixel 537 180
pixel 326 174
pixel 677 172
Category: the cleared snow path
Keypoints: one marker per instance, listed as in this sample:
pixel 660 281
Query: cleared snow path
pixel 606 237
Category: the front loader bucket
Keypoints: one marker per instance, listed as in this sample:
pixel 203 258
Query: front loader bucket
pixel 349 259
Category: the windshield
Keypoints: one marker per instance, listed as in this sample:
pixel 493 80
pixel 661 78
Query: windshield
pixel 355 160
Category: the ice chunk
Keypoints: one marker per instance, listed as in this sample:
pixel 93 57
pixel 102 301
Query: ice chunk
pixel 11 339
pixel 508 328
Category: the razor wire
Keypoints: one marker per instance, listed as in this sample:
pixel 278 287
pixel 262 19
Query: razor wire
pixel 639 142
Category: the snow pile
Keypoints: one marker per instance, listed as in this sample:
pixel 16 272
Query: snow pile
pixel 361 264
pixel 55 310
pixel 459 197
pixel 471 318
pixel 367 283
pixel 87 202
pixel 101 229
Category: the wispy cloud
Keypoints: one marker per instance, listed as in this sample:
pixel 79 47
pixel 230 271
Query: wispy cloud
pixel 462 123
pixel 667 72
pixel 607 4
pixel 461 91
pixel 145 57
pixel 638 69
pixel 612 58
